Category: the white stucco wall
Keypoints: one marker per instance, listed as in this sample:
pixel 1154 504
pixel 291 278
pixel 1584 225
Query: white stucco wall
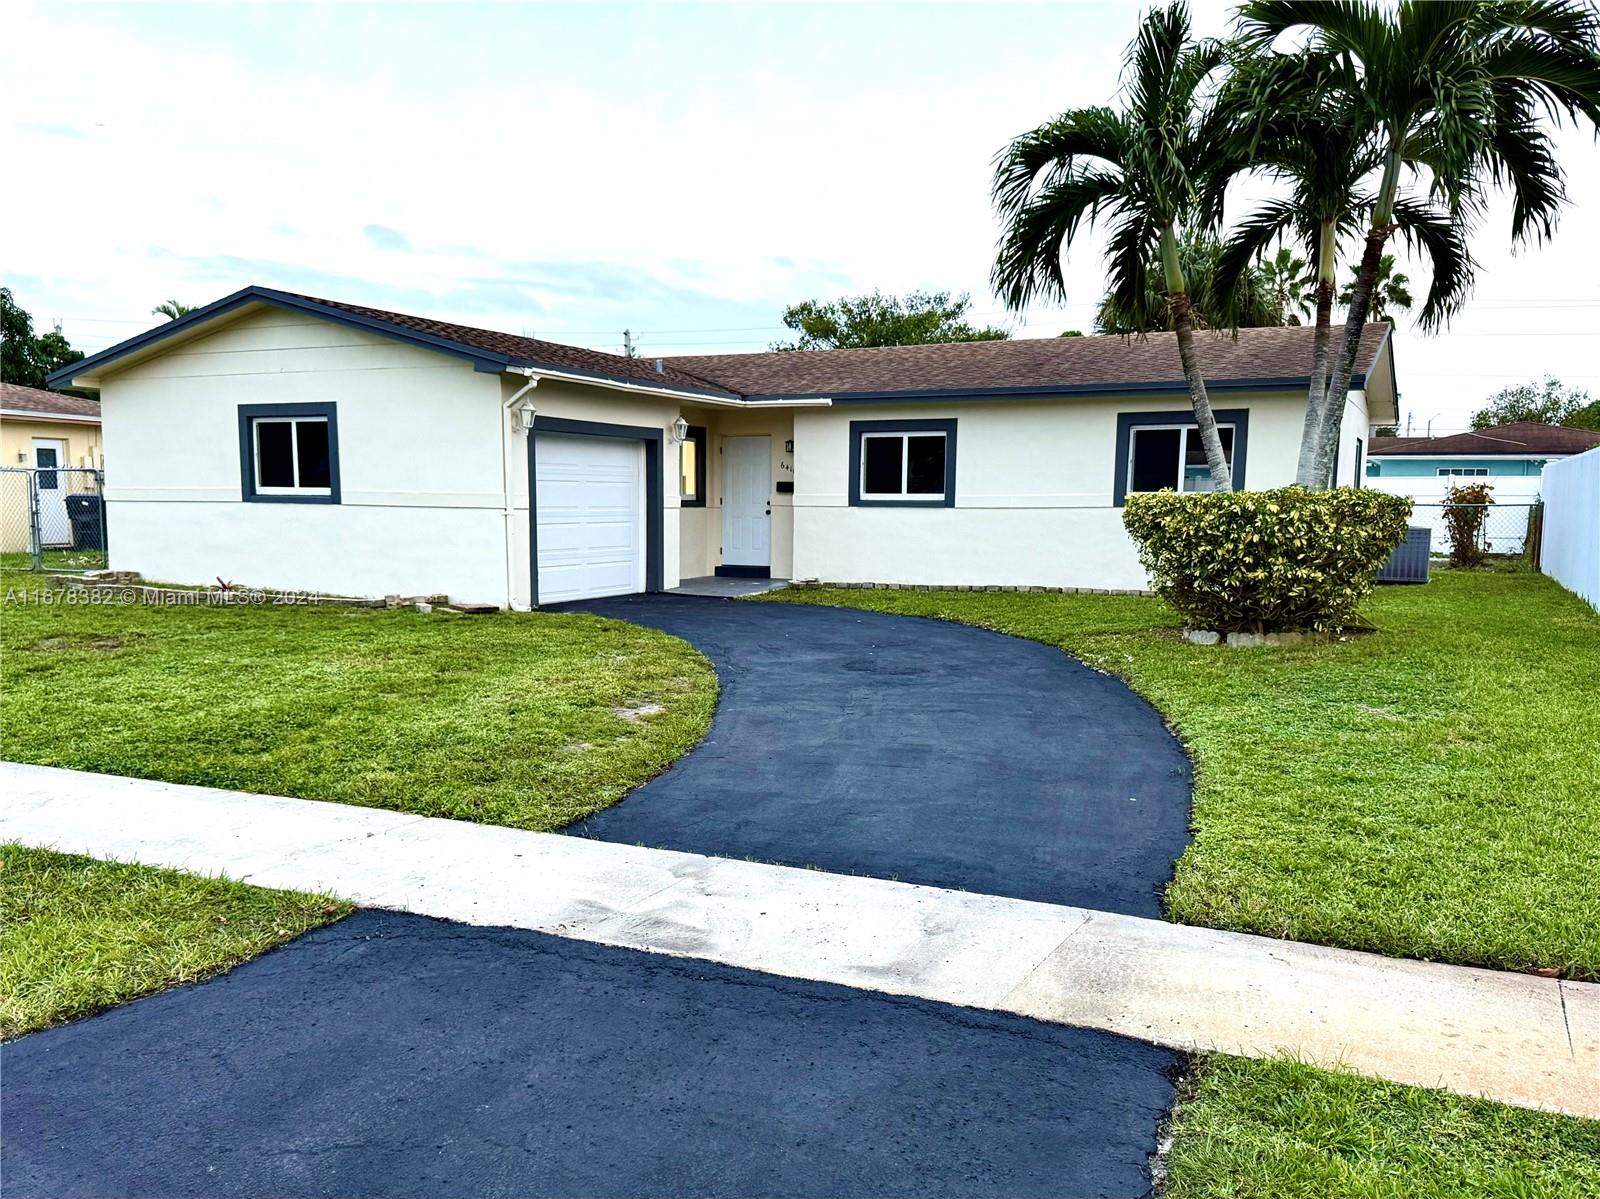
pixel 419 463
pixel 420 460
pixel 1034 492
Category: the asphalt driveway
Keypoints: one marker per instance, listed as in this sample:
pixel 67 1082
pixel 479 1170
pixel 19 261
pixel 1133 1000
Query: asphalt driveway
pixel 913 749
pixel 394 1055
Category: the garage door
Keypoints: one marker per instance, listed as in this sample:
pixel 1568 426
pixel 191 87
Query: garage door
pixel 591 517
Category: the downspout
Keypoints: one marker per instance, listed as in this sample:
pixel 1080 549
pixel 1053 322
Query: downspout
pixel 507 471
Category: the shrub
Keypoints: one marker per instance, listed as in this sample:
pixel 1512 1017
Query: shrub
pixel 1266 561
pixel 1466 508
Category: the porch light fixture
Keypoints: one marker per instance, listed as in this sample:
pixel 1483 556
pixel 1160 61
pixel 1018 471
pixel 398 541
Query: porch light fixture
pixel 525 415
pixel 680 430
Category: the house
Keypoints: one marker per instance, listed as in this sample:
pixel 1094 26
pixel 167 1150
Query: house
pixel 42 432
pixel 1509 458
pixel 275 439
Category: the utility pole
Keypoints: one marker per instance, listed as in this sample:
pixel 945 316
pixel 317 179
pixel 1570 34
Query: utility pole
pixel 628 348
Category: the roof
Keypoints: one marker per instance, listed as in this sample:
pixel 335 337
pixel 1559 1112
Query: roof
pixel 1520 437
pixel 16 398
pixel 1252 357
pixel 487 349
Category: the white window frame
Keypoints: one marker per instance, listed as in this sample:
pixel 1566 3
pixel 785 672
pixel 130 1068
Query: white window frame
pixel 903 495
pixel 1183 451
pixel 1461 472
pixel 294 453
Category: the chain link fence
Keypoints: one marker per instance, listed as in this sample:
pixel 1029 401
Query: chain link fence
pixel 52 519
pixel 1504 531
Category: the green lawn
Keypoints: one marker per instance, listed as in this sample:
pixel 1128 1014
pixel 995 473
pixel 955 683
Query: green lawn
pixel 80 935
pixel 517 719
pixel 1429 790
pixel 1282 1130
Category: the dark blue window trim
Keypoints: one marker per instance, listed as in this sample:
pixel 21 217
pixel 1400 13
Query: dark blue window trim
pixel 247 458
pixel 1127 422
pixel 655 498
pixel 947 427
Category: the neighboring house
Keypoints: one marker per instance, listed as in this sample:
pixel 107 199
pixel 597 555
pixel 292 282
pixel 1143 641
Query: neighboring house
pixel 43 432
pixel 1509 458
pixel 278 440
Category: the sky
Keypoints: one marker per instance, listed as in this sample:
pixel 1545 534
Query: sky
pixel 680 171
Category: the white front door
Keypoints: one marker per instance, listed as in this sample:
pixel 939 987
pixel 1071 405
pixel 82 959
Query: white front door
pixel 591 516
pixel 49 454
pixel 747 501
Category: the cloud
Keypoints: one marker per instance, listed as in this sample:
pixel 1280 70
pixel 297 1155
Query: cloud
pixel 54 129
pixel 382 237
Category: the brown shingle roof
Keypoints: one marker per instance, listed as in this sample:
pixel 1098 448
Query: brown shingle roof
pixel 1048 364
pixel 1520 437
pixel 533 351
pixel 16 398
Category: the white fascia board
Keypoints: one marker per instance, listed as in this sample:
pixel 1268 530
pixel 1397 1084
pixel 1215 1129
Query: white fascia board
pixel 70 417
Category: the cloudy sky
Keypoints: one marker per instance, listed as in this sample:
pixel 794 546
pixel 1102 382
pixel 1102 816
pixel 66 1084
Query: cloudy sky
pixel 680 171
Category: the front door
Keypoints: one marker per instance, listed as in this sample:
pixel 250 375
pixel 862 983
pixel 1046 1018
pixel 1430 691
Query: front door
pixel 746 505
pixel 49 454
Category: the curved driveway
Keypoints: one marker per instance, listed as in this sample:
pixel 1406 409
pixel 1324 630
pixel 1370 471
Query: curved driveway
pixel 913 749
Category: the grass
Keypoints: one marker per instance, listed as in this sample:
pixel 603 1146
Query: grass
pixel 529 720
pixel 64 560
pixel 80 935
pixel 1428 790
pixel 1282 1130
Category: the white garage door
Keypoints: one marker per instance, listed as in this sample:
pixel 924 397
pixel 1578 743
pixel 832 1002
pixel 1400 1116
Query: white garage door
pixel 591 517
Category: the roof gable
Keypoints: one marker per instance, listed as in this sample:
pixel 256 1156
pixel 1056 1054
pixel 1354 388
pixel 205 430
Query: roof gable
pixel 486 349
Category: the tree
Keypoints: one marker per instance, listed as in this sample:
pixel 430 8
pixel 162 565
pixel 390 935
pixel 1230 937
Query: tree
pixel 1550 402
pixel 1284 122
pixel 26 358
pixel 1287 283
pixel 1452 90
pixel 1138 170
pixel 172 309
pixel 855 322
pixel 1247 301
pixel 1389 290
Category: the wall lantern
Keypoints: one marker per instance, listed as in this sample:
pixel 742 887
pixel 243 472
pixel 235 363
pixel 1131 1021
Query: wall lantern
pixel 525 414
pixel 680 430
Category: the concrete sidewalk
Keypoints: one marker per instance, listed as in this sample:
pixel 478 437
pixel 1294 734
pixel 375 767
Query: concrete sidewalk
pixel 1514 1038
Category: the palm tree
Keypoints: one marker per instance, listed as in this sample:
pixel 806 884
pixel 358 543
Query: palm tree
pixel 1388 291
pixel 1314 139
pixel 1139 170
pixel 1286 280
pixel 1453 89
pixel 172 309
pixel 1248 300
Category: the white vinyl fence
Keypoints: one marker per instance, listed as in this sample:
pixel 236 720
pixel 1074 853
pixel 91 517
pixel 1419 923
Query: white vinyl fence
pixel 1571 551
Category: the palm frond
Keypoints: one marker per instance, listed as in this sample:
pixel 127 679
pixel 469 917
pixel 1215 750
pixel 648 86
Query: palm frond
pixel 1438 237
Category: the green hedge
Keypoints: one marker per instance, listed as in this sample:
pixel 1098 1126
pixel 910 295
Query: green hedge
pixel 1266 561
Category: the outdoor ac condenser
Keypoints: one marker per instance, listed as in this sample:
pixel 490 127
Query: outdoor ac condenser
pixel 1409 562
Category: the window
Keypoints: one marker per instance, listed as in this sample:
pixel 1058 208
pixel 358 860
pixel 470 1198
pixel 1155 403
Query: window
pixel 44 457
pixel 692 468
pixel 1162 450
pixel 1355 470
pixel 1173 458
pixel 1456 472
pixel 908 463
pixel 289 453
